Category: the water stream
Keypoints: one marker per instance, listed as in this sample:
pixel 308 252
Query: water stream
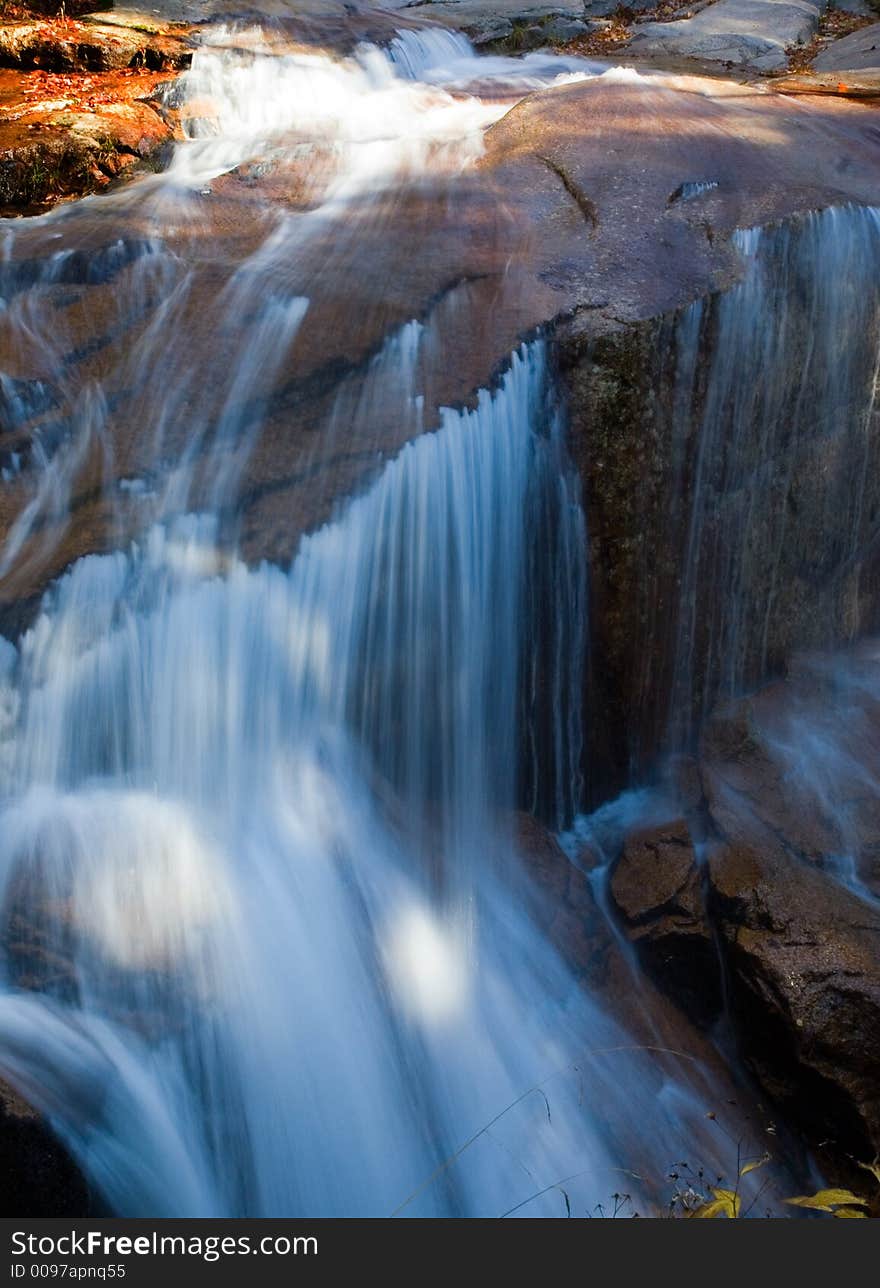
pixel 272 949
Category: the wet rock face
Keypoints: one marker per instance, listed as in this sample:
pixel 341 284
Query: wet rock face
pixel 567 909
pixel 696 494
pixel 804 976
pixel 797 953
pixel 716 552
pixel 784 907
pixel 37 1176
pixel 656 888
pixel 791 770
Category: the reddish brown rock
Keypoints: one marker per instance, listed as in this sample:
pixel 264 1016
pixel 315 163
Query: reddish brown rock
pixel 77 102
pixel 92 46
pixel 803 970
pixel 483 258
pixel 656 887
pixel 63 136
pixel 602 163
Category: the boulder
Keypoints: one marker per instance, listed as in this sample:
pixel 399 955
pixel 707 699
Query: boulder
pixel 509 18
pixel 38 1178
pixel 796 951
pixel 752 33
pixel 499 31
pixel 656 889
pixel 860 51
pixel 792 797
pixel 69 136
pixel 525 38
pixel 803 975
pixel 90 47
pixel 560 30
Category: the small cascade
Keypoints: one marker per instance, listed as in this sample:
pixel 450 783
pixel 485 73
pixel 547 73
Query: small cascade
pixel 417 53
pixel 781 414
pixel 436 56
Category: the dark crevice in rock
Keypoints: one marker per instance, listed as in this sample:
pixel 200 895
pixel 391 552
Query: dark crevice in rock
pixel 579 197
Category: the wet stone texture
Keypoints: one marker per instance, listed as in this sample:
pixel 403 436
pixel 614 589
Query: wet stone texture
pixel 37 1176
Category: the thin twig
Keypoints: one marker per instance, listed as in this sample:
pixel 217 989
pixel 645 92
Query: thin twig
pixel 555 1186
pixel 454 1157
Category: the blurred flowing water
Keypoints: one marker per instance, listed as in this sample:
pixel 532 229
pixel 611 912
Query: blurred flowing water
pixel 784 408
pixel 270 944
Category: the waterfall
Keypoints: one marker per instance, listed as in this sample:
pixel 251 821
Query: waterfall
pixel 775 429
pixel 270 944
pixel 418 53
pixel 267 952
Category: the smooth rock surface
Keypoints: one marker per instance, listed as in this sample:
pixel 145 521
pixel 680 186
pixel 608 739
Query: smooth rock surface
pixel 857 52
pixel 754 33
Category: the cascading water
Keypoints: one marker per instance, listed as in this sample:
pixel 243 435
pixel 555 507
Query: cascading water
pixel 270 948
pixel 258 817
pixel 794 363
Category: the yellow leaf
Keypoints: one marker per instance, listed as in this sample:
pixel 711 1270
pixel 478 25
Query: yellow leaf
pixel 713 1209
pixel 827 1200
pixel 725 1203
pixel 753 1166
pixel 851 1212
pixel 730 1199
pixel 873 1168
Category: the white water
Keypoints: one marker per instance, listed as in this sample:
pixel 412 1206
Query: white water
pixel 438 57
pixel 387 113
pixel 273 947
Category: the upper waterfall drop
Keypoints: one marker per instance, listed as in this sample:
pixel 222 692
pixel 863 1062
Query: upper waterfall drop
pixel 418 52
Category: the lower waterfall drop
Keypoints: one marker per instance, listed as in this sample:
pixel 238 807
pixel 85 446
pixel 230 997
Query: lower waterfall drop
pixel 258 823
